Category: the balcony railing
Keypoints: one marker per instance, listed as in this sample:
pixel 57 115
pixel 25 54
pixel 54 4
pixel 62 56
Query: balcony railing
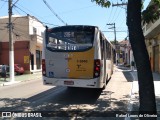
pixel 152 29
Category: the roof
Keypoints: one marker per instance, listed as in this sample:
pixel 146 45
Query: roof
pixel 12 16
pixel 123 42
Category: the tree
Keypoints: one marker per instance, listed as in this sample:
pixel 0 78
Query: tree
pixel 137 40
pixel 113 42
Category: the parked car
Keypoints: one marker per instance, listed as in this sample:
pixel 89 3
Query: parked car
pixel 18 69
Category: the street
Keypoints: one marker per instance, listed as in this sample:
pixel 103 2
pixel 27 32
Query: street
pixel 34 96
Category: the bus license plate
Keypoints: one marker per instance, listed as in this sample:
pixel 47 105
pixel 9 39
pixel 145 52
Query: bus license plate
pixel 69 82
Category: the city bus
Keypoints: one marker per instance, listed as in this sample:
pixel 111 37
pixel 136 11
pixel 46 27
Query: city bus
pixel 76 56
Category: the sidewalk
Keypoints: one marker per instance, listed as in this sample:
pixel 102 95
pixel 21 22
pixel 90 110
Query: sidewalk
pixel 133 104
pixel 135 96
pixel 21 78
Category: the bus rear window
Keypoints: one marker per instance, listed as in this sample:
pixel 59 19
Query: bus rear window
pixel 70 38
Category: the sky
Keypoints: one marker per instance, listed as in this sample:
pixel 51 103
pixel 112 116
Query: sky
pixel 74 12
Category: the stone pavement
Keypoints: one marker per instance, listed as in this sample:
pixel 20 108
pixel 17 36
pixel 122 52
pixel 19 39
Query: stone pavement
pixel 21 78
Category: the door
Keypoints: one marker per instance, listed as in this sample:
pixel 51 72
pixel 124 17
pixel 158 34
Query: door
pixel 156 58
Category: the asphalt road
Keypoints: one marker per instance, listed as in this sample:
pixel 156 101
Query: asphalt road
pixel 34 96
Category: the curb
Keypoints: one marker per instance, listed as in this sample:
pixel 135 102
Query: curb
pixel 18 81
pixel 9 83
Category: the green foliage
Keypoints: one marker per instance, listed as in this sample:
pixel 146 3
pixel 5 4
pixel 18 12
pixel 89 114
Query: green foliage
pixel 102 3
pixel 152 12
pixel 113 42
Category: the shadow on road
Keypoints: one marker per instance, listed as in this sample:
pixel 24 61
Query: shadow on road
pixel 95 102
pixel 79 96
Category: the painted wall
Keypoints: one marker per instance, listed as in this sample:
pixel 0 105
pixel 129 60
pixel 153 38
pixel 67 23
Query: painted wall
pixel 21 54
pixel 153 47
pixel 28 38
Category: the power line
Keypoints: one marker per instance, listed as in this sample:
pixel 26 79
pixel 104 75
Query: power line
pixel 32 13
pixel 119 4
pixel 77 9
pixel 15 3
pixel 3 4
pixel 4 0
pixel 112 31
pixel 54 12
pixel 113 16
pixel 20 9
pixel 28 14
pixel 114 27
pixel 117 16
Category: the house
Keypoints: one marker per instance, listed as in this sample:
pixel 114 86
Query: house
pixel 124 52
pixel 27 36
pixel 152 39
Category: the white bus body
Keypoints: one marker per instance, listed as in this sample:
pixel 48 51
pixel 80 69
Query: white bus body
pixel 76 56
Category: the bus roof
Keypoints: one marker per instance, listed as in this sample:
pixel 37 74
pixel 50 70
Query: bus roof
pixel 71 27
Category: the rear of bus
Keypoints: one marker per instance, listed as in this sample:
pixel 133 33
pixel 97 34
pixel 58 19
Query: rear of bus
pixel 70 57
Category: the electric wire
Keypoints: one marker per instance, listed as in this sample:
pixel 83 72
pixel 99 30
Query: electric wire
pixel 15 3
pixel 77 9
pixel 117 15
pixel 4 0
pixel 2 5
pixel 33 13
pixel 54 12
pixel 110 14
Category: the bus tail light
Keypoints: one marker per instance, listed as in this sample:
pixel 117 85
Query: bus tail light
pixel 43 67
pixel 97 68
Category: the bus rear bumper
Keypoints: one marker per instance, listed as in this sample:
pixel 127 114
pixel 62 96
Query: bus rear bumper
pixel 87 83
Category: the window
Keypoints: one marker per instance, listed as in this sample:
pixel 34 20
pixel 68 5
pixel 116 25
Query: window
pixel 102 46
pixel 72 39
pixel 34 30
pixel 108 49
pixel 38 59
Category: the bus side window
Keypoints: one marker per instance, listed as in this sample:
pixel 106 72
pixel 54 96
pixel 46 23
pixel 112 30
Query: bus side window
pixel 109 52
pixel 105 50
pixel 102 46
pixel 108 49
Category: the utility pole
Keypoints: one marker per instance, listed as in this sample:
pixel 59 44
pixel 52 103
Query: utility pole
pixel 125 4
pixel 11 46
pixel 119 4
pixel 114 27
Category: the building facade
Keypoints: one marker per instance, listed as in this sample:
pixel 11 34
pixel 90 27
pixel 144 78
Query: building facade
pixel 27 35
pixel 152 39
pixel 124 53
